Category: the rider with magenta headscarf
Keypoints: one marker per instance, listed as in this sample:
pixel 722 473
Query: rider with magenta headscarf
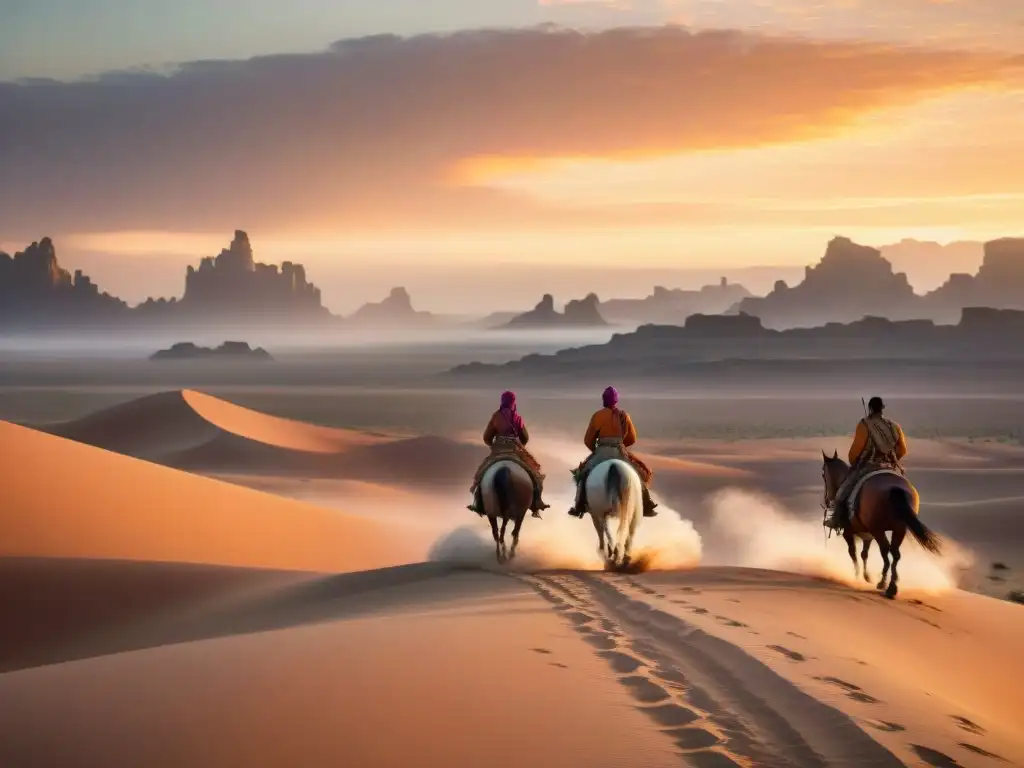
pixel 506 435
pixel 610 428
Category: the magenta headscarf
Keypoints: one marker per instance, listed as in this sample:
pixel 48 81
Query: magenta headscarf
pixel 610 397
pixel 511 414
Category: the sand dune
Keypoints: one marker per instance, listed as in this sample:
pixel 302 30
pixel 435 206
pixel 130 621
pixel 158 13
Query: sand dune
pixel 200 433
pixel 66 499
pixel 434 665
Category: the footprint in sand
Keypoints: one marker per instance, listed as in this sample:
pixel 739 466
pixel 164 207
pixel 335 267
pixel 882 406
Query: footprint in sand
pixel 540 650
pixel 699 611
pixel 622 663
pixel 600 640
pixel 671 715
pixel 579 619
pixel 731 622
pixel 934 758
pixel 886 726
pixel 791 655
pixel 644 690
pixel 693 738
pixel 981 752
pixel 560 666
pixel 673 677
pixel 967 725
pixel 794 634
pixel 710 760
pixel 855 692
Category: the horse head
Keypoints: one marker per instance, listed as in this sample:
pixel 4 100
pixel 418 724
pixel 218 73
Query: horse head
pixel 833 471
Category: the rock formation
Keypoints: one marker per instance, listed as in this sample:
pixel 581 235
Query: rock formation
pixel 36 290
pixel 726 345
pixel 999 282
pixel 235 283
pixel 579 312
pixel 675 305
pixel 396 311
pixel 850 282
pixel 231 350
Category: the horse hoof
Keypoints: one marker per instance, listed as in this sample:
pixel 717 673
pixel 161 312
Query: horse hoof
pixel 890 593
pixel 880 586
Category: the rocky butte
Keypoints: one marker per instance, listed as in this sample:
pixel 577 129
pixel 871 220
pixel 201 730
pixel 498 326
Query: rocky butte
pixel 395 311
pixel 581 312
pixel 35 290
pixel 234 283
pixel 999 283
pixel 850 282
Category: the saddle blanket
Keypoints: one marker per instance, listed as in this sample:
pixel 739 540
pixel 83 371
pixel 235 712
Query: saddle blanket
pixel 855 493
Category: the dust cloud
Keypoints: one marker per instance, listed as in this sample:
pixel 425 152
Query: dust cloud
pixel 662 543
pixel 756 531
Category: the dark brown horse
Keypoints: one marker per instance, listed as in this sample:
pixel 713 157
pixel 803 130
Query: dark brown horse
pixel 888 502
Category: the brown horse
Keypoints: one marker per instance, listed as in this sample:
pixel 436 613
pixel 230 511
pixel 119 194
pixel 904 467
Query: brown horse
pixel 887 503
pixel 507 491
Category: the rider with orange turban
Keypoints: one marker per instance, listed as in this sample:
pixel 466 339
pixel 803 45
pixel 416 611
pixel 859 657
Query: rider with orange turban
pixel 610 422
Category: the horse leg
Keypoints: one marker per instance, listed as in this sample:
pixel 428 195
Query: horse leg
pixel 504 548
pixel 627 555
pixel 515 536
pixel 864 557
pixel 897 542
pixel 497 538
pixel 851 547
pixel 599 527
pixel 883 548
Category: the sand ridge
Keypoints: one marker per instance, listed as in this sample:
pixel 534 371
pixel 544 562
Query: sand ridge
pixel 66 499
pixel 197 432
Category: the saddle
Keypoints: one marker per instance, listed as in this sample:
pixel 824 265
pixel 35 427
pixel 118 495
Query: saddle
pixel 611 448
pixel 506 448
pixel 874 471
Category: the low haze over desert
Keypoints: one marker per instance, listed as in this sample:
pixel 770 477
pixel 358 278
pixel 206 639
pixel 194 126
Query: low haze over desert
pixel 271 275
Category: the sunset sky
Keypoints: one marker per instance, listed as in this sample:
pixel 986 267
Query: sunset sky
pixel 666 133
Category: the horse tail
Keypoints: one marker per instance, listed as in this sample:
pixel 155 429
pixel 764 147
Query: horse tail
pixel 616 490
pixel 899 499
pixel 502 483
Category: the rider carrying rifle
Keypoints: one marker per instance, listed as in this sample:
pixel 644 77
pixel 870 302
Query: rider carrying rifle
pixel 878 443
pixel 610 428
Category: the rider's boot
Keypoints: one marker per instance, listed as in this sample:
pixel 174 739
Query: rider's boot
pixel 538 503
pixel 649 504
pixel 579 509
pixel 478 502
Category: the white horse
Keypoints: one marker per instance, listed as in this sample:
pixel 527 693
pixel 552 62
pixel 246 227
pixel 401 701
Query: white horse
pixel 507 491
pixel 614 489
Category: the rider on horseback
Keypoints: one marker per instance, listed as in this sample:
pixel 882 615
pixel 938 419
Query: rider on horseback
pixel 506 436
pixel 610 427
pixel 878 443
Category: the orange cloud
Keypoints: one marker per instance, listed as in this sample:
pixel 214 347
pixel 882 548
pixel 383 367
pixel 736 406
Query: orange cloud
pixel 368 133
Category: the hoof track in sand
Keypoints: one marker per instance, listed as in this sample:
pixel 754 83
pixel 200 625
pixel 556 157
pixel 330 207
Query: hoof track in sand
pixel 715 703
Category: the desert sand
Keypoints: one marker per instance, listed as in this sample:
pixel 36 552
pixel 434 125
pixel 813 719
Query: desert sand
pixel 344 610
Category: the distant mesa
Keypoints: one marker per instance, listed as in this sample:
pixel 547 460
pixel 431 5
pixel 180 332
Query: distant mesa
pixel 854 281
pixel 725 342
pixel 581 312
pixel 395 311
pixel 229 350
pixel 673 306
